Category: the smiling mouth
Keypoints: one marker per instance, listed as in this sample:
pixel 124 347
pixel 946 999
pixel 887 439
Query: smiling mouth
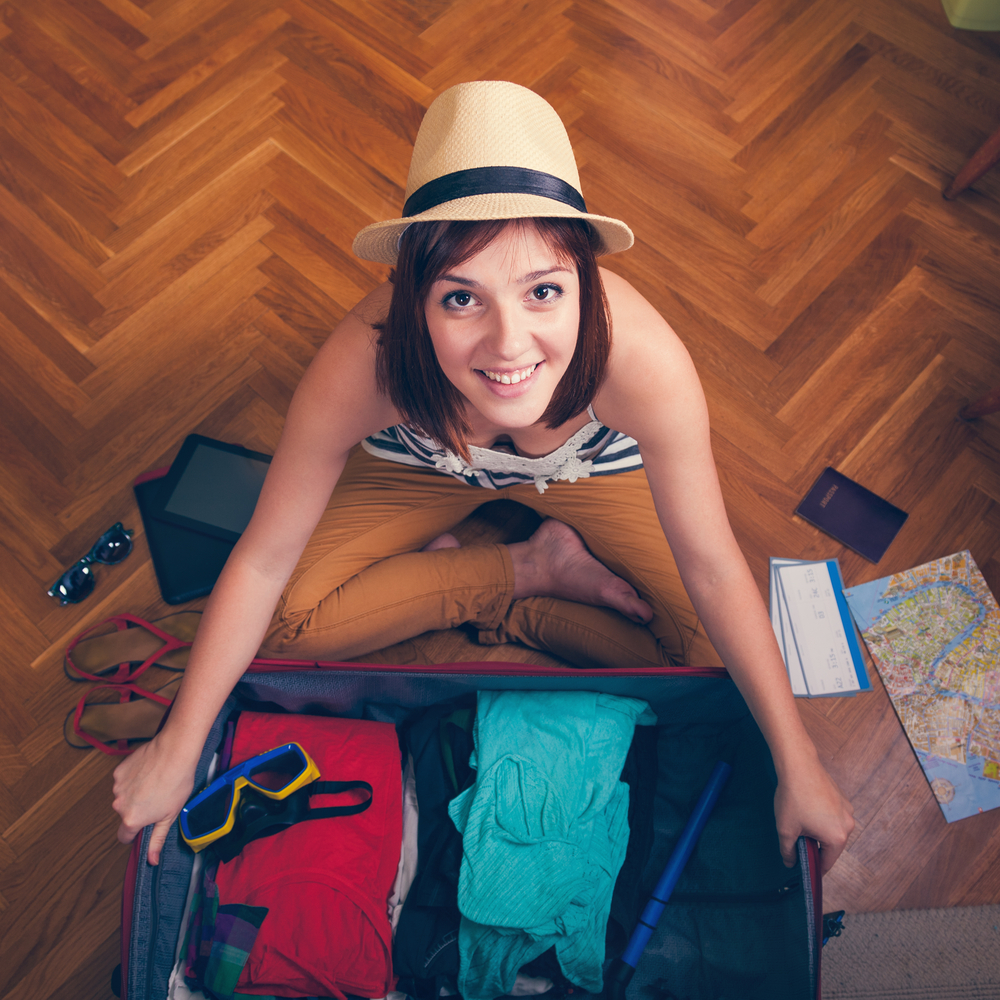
pixel 510 378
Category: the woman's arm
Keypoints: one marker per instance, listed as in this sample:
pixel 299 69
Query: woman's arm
pixel 653 393
pixel 334 407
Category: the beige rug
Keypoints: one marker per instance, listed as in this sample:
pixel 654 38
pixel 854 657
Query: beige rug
pixel 951 954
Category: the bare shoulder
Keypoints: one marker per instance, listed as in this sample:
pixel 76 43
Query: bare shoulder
pixel 622 295
pixel 374 306
pixel 340 381
pixel 649 365
pixel 352 341
pixel 633 317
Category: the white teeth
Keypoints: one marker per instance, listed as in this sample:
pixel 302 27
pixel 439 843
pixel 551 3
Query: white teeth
pixel 510 378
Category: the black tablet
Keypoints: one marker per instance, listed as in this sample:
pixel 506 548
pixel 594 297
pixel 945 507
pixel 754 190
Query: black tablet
pixel 212 487
pixel 187 563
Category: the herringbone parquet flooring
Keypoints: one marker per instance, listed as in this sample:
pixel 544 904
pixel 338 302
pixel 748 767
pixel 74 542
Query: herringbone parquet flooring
pixel 180 182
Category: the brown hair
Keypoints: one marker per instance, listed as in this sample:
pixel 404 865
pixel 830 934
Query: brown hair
pixel 406 367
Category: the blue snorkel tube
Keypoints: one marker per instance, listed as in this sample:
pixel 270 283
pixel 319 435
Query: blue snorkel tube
pixel 622 969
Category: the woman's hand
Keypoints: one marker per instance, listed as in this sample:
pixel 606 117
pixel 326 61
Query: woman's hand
pixel 151 786
pixel 809 803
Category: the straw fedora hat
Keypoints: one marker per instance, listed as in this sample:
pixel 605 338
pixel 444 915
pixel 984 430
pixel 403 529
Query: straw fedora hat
pixel 489 150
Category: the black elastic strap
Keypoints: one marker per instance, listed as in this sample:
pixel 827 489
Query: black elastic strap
pixel 334 788
pixel 282 813
pixel 492 180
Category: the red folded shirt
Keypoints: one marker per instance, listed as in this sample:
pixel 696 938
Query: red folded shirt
pixel 325 882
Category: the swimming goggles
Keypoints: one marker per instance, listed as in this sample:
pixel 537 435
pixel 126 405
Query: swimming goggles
pixel 275 774
pixel 79 580
pixel 260 797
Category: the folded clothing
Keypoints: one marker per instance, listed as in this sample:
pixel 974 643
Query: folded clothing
pixel 545 831
pixel 318 891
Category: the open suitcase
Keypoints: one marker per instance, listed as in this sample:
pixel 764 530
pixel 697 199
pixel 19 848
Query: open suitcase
pixel 739 926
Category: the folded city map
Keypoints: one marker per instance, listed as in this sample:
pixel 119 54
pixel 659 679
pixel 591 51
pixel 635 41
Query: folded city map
pixel 934 634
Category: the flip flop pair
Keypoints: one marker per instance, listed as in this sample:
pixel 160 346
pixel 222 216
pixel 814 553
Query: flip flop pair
pixel 116 659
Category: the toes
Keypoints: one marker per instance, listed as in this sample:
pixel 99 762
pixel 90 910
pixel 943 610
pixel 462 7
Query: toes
pixel 618 594
pixel 445 541
pixel 644 611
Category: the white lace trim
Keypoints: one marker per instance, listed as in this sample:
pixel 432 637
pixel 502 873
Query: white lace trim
pixel 562 464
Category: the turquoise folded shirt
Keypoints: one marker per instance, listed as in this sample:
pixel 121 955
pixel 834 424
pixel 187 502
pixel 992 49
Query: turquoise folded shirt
pixel 544 833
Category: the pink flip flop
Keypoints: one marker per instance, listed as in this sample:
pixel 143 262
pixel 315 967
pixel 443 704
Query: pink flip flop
pixel 111 727
pixel 125 654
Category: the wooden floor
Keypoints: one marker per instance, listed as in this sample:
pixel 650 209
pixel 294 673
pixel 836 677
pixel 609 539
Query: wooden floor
pixel 180 182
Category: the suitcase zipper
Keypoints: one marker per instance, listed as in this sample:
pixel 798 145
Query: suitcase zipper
pixel 480 668
pixel 153 927
pixel 128 902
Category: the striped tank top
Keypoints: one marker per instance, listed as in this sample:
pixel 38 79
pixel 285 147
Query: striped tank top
pixel 594 450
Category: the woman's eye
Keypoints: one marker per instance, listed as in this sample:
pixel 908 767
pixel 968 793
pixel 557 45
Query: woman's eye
pixel 460 299
pixel 546 293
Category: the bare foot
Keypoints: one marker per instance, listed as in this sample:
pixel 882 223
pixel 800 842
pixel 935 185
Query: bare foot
pixel 445 541
pixel 554 562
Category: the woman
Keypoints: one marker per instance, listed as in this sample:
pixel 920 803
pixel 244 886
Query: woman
pixel 487 369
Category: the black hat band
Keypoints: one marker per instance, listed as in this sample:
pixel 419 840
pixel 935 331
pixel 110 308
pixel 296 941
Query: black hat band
pixel 492 180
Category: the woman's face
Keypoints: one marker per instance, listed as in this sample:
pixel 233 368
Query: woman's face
pixel 504 326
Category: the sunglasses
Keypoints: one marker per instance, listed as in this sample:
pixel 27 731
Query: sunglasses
pixel 79 580
pixel 276 774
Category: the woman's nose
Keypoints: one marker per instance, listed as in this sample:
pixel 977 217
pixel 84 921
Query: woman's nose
pixel 509 336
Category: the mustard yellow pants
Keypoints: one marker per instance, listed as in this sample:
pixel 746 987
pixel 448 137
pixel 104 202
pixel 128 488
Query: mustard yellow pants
pixel 363 584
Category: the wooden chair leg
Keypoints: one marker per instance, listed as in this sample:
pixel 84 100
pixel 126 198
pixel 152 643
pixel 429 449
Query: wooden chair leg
pixel 989 403
pixel 985 157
